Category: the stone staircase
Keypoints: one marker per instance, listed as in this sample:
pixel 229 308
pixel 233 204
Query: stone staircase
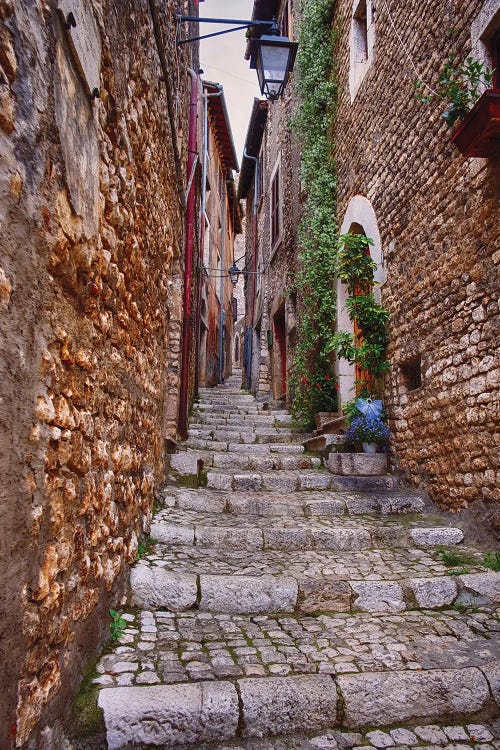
pixel 286 607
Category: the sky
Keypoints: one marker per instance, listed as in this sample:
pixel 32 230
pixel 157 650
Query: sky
pixel 222 60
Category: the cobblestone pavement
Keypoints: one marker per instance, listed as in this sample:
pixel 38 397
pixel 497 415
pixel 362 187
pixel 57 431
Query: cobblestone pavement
pixel 282 607
pixel 367 565
pixel 166 647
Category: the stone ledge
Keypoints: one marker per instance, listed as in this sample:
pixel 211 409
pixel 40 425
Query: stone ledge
pixel 357 464
pixel 170 715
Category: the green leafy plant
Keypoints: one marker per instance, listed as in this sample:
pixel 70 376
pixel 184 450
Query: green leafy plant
pixel 491 560
pixel 146 547
pixel 455 558
pixel 356 270
pixel 355 266
pixel 318 230
pixel 117 625
pixel 461 85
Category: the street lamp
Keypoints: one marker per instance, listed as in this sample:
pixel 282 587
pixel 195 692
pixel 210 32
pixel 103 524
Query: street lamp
pixel 273 56
pixel 274 59
pixel 234 274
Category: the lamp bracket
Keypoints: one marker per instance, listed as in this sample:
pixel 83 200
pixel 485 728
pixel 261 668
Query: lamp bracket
pixel 239 23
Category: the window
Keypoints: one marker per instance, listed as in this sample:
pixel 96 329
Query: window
pixel 235 309
pixel 411 373
pixel 286 20
pixel 276 208
pixel 360 33
pixel 361 43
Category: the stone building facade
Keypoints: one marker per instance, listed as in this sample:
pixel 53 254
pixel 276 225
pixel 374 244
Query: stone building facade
pixel 94 112
pixel 271 237
pixel 433 215
pixel 221 224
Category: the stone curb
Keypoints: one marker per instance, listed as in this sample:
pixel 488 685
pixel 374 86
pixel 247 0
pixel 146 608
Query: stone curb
pixel 382 503
pixel 308 538
pixel 244 594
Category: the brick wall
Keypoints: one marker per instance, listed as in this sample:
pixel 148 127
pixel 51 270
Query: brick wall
pixel 90 315
pixel 438 216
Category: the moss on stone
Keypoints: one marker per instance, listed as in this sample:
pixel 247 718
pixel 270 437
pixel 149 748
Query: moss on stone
pixel 88 718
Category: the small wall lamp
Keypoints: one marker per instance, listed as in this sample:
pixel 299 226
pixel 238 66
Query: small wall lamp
pixel 273 56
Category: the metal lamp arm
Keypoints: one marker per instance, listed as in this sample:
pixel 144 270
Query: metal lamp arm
pixel 239 23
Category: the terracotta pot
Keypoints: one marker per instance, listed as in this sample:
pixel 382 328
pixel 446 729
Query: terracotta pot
pixel 479 132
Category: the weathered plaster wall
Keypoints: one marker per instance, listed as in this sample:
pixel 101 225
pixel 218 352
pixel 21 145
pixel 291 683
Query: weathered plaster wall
pixel 438 215
pixel 90 313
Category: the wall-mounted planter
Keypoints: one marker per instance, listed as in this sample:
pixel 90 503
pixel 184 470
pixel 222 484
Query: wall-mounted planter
pixel 479 133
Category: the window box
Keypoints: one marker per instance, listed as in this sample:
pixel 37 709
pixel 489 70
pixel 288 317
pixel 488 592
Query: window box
pixel 479 132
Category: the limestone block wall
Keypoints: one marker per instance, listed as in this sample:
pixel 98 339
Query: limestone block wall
pixel 90 312
pixel 438 215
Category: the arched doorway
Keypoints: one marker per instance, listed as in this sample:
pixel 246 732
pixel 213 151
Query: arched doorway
pixel 359 218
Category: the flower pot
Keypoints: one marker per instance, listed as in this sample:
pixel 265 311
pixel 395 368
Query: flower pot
pixel 369 447
pixel 479 132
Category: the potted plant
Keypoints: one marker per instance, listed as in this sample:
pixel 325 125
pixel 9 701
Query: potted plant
pixel 367 426
pixel 324 396
pixel 474 110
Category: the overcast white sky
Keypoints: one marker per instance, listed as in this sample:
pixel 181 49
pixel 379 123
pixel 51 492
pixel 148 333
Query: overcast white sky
pixel 223 62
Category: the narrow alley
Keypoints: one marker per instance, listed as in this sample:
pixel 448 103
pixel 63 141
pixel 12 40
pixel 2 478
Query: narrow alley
pixel 250 374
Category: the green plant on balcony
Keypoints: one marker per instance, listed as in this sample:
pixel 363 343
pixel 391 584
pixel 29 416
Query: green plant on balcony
pixel 460 85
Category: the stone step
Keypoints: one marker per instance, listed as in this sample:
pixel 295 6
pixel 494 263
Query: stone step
pixel 292 481
pixel 193 678
pixel 269 504
pixel 229 582
pixel 264 462
pixel 181 527
pixel 246 435
pixel 204 444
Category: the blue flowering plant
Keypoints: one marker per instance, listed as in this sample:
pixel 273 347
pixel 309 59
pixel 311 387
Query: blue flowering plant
pixel 367 423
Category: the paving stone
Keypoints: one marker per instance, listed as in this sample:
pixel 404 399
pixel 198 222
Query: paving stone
pixel 380 739
pixel 382 699
pixel 479 733
pixel 403 736
pixel 440 535
pixel 485 584
pixel 434 592
pixel 183 714
pixel 456 734
pixel 159 588
pixel 288 704
pixel 248 593
pixel 378 597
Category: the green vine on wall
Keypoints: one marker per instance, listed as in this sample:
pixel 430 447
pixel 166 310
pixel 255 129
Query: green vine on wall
pixel 318 230
pixel 356 270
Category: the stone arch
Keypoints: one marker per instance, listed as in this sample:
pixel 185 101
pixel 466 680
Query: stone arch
pixel 359 217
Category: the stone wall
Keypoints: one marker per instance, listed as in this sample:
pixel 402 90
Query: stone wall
pixel 438 218
pixel 90 315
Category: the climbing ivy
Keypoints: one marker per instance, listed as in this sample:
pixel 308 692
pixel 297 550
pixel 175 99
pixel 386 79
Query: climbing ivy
pixel 318 230
pixel 356 269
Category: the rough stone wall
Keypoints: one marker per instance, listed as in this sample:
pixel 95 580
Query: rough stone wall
pixel 438 215
pixel 90 314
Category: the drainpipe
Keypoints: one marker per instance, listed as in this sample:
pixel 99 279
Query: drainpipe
pixel 254 259
pixel 189 253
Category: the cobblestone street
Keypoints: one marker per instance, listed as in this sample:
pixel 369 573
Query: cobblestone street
pixel 293 611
